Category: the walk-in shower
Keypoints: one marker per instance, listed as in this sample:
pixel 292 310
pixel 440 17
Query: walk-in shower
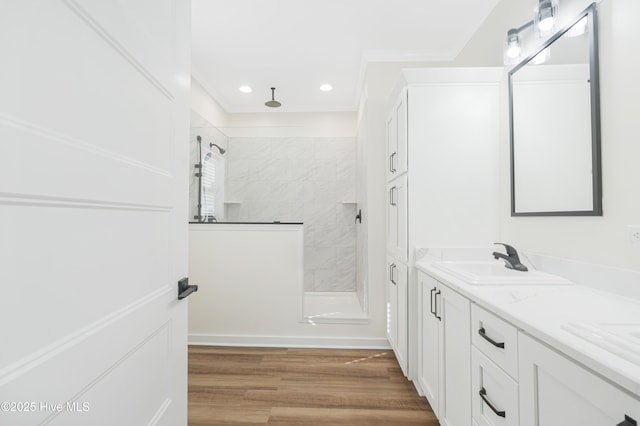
pixel 301 181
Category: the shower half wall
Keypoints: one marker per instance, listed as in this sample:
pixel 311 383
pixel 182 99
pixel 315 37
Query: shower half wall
pixel 298 179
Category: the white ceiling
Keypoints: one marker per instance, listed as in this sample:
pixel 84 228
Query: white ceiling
pixel 297 45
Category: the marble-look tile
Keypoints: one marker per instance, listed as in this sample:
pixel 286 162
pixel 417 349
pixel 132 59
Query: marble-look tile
pixel 236 189
pixel 237 169
pixel 345 236
pixel 320 214
pixel 263 211
pixel 321 170
pixel 319 258
pixel 345 191
pixel 346 258
pixel 345 281
pixel 324 191
pixel 260 148
pixel 239 148
pixel 320 236
pixel 325 279
pixel 290 212
pixel 345 214
pixel 258 191
pixel 346 170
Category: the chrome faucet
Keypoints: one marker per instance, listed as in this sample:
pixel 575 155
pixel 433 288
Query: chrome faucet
pixel 511 259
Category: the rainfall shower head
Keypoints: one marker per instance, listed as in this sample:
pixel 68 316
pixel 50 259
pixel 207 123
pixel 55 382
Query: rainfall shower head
pixel 273 103
pixel 222 150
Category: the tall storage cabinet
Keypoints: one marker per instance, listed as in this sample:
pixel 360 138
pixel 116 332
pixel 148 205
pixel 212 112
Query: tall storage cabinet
pixel 442 158
pixel 397 247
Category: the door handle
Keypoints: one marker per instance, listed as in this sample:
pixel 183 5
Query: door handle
pixel 393 168
pixel 431 301
pixel 391 269
pixel 483 334
pixel 359 216
pixel 184 289
pixel 436 305
pixel 628 421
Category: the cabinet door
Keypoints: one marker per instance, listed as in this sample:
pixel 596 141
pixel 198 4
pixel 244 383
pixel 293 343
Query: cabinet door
pixel 397 138
pixel 399 161
pixel 397 218
pixel 392 144
pixel 455 357
pixel 392 305
pixel 400 277
pixel 428 352
pixel 556 391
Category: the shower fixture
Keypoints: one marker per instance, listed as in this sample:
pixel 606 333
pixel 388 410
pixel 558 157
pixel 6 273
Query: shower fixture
pixel 222 150
pixel 273 103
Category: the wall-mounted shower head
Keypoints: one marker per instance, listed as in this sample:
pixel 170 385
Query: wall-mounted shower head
pixel 273 103
pixel 222 150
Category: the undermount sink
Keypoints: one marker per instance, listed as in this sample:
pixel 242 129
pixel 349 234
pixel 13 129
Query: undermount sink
pixel 495 273
pixel 620 339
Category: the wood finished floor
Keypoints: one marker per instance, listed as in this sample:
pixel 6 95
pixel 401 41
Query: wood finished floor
pixel 279 386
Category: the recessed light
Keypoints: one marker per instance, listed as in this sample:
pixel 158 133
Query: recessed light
pixel 326 87
pixel 245 89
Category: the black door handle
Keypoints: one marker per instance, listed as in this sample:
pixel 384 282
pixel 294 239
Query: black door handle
pixel 483 334
pixel 359 216
pixel 431 301
pixel 628 421
pixel 483 395
pixel 435 304
pixel 184 289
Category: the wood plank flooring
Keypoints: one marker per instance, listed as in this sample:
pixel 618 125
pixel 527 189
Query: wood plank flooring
pixel 280 386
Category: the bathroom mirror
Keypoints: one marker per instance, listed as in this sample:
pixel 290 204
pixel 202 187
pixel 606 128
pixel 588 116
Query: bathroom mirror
pixel 554 114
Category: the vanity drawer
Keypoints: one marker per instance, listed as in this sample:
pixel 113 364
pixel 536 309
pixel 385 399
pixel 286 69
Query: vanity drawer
pixel 495 338
pixel 494 395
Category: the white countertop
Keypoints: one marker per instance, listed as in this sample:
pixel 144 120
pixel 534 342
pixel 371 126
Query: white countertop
pixel 543 311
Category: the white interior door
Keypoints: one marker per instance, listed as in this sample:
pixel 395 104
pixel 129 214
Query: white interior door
pixel 94 126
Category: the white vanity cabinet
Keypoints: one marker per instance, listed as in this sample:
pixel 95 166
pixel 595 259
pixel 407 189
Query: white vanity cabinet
pixel 445 353
pixel 557 391
pixel 397 310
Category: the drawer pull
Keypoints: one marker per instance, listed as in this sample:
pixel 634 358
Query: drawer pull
pixel 483 395
pixel 483 334
pixel 628 421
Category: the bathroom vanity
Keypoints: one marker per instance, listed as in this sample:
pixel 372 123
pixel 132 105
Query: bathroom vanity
pixel 527 350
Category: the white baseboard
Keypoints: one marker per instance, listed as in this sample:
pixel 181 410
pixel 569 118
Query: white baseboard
pixel 288 341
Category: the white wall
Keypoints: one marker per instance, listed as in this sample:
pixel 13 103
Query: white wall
pixel 603 239
pixel 249 279
pixel 291 124
pixel 206 106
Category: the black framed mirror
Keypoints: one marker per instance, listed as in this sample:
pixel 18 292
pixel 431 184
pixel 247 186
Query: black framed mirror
pixel 554 123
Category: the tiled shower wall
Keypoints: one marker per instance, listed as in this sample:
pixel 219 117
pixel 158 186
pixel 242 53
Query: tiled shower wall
pixel 310 180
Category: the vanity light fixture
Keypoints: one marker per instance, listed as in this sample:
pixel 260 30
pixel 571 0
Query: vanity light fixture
pixel 326 87
pixel 512 47
pixel 545 17
pixel 245 89
pixel 544 24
